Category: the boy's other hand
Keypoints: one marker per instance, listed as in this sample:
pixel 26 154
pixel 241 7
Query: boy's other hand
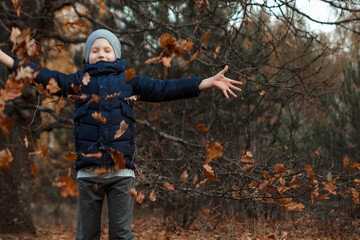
pixel 226 85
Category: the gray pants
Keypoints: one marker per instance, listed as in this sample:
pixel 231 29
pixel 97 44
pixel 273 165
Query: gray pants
pixel 120 206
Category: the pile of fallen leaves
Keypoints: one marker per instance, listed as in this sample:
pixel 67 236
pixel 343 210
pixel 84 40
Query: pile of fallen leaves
pixel 151 228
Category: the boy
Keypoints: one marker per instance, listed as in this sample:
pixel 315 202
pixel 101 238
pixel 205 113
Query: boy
pixel 94 139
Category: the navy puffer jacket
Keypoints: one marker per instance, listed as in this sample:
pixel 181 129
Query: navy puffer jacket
pixel 106 79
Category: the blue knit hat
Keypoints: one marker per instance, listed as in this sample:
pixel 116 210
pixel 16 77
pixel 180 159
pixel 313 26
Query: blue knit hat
pixel 103 33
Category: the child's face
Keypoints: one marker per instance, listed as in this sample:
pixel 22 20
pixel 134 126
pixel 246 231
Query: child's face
pixel 101 50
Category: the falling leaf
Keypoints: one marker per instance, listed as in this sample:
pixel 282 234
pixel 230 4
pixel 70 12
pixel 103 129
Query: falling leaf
pixel 205 212
pixel 25 74
pixel 95 99
pixel 137 196
pixel 253 185
pixel 100 171
pixel 354 165
pixel 330 188
pixel 283 189
pixel 40 88
pixel 59 45
pixel 77 97
pixel 235 193
pixel 247 159
pixel 35 152
pixel 79 24
pixel 130 74
pixel 154 60
pixel 294 207
pixel 52 86
pixel 118 158
pixel 355 196
pixel 279 168
pixel 216 51
pixel 98 117
pixel 194 56
pixel 16 6
pixel 195 179
pixel 5 159
pixel 92 155
pixel 5 124
pixel 34 169
pixel 132 98
pixel 265 175
pixel 115 95
pixel 169 186
pixel 294 184
pixel 309 171
pixel 44 149
pixel 247 168
pixel 67 186
pixel 3 99
pixel 122 129
pixel 152 196
pixel 281 181
pixel 346 162
pixel 314 196
pixel 201 183
pixel 168 43
pixel 15 32
pixel 86 79
pixel 213 152
pixel 60 104
pixel 202 127
pixel 31 48
pixel 21 42
pixel 13 88
pixel 184 176
pixel 26 142
pixel 71 156
pixel 209 173
pixel 166 61
pixel 75 88
pixel 183 44
pixel 357 182
pixel 21 38
pixel 206 37
pixel 264 184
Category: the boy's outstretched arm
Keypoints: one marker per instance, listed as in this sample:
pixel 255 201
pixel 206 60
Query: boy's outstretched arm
pixel 221 82
pixel 6 60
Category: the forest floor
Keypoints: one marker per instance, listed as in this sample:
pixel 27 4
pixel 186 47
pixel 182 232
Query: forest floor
pixel 58 222
pixel 151 228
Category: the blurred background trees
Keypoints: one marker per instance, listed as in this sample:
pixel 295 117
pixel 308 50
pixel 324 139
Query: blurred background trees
pixel 298 105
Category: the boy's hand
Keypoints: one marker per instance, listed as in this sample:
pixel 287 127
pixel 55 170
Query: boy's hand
pixel 6 60
pixel 221 82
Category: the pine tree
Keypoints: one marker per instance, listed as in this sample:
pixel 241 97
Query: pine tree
pixel 338 136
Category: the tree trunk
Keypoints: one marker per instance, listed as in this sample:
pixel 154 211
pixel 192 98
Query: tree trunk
pixel 16 183
pixel 15 186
